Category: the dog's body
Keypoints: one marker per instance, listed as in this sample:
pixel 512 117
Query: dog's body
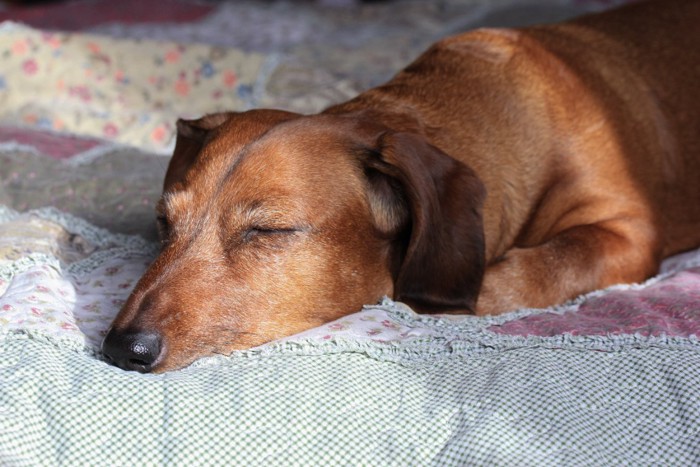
pixel 502 169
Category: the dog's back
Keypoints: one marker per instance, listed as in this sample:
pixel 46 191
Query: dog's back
pixel 649 83
pixel 604 104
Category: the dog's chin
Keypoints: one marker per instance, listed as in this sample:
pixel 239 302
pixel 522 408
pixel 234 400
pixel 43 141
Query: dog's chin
pixel 175 362
pixel 179 360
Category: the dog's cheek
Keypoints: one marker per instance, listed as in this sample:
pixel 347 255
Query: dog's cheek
pixel 254 300
pixel 282 292
pixel 355 271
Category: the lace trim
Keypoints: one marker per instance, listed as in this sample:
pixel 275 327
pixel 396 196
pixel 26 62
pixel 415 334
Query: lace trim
pixel 109 245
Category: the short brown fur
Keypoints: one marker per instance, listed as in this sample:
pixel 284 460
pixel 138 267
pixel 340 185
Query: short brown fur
pixel 502 169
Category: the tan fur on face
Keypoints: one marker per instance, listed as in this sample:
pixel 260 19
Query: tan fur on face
pixel 212 290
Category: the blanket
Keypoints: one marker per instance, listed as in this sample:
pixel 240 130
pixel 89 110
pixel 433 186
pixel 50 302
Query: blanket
pixel 609 378
pixel 384 385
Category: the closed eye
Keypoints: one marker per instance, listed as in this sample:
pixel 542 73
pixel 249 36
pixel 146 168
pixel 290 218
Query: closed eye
pixel 253 233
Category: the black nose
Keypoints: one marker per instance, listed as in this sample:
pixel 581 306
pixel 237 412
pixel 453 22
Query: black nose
pixel 132 350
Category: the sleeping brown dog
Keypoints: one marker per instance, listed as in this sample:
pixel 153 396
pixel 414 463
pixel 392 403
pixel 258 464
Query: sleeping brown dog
pixel 502 169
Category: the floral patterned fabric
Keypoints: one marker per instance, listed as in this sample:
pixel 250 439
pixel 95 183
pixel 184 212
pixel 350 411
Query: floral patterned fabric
pixel 67 279
pixel 65 282
pixel 114 81
pixel 127 91
pixel 664 307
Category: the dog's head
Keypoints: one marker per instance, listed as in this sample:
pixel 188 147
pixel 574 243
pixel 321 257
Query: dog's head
pixel 273 223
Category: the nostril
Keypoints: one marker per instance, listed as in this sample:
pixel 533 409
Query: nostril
pixel 132 350
pixel 144 349
pixel 143 353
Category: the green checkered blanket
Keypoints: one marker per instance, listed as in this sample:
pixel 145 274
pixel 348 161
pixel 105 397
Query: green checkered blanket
pixel 439 392
pixel 422 404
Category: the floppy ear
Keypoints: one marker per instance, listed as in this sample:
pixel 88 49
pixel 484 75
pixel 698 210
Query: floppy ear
pixel 417 188
pixel 190 139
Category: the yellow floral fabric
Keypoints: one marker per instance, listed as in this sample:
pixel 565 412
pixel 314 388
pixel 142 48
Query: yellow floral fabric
pixel 125 90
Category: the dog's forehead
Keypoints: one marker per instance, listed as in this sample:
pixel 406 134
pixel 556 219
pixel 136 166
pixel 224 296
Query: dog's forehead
pixel 304 166
pixel 289 161
pixel 304 148
pixel 309 134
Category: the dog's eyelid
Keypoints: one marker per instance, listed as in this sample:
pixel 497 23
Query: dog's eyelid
pixel 269 218
pixel 260 231
pixel 269 230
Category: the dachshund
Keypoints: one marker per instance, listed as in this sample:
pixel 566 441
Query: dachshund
pixel 504 168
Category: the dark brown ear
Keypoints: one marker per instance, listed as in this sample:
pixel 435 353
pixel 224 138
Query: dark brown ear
pixel 191 135
pixel 438 200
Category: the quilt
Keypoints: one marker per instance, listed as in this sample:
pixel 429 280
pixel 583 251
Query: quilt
pixel 609 378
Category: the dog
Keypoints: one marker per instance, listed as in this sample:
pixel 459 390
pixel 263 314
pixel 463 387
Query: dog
pixel 504 168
